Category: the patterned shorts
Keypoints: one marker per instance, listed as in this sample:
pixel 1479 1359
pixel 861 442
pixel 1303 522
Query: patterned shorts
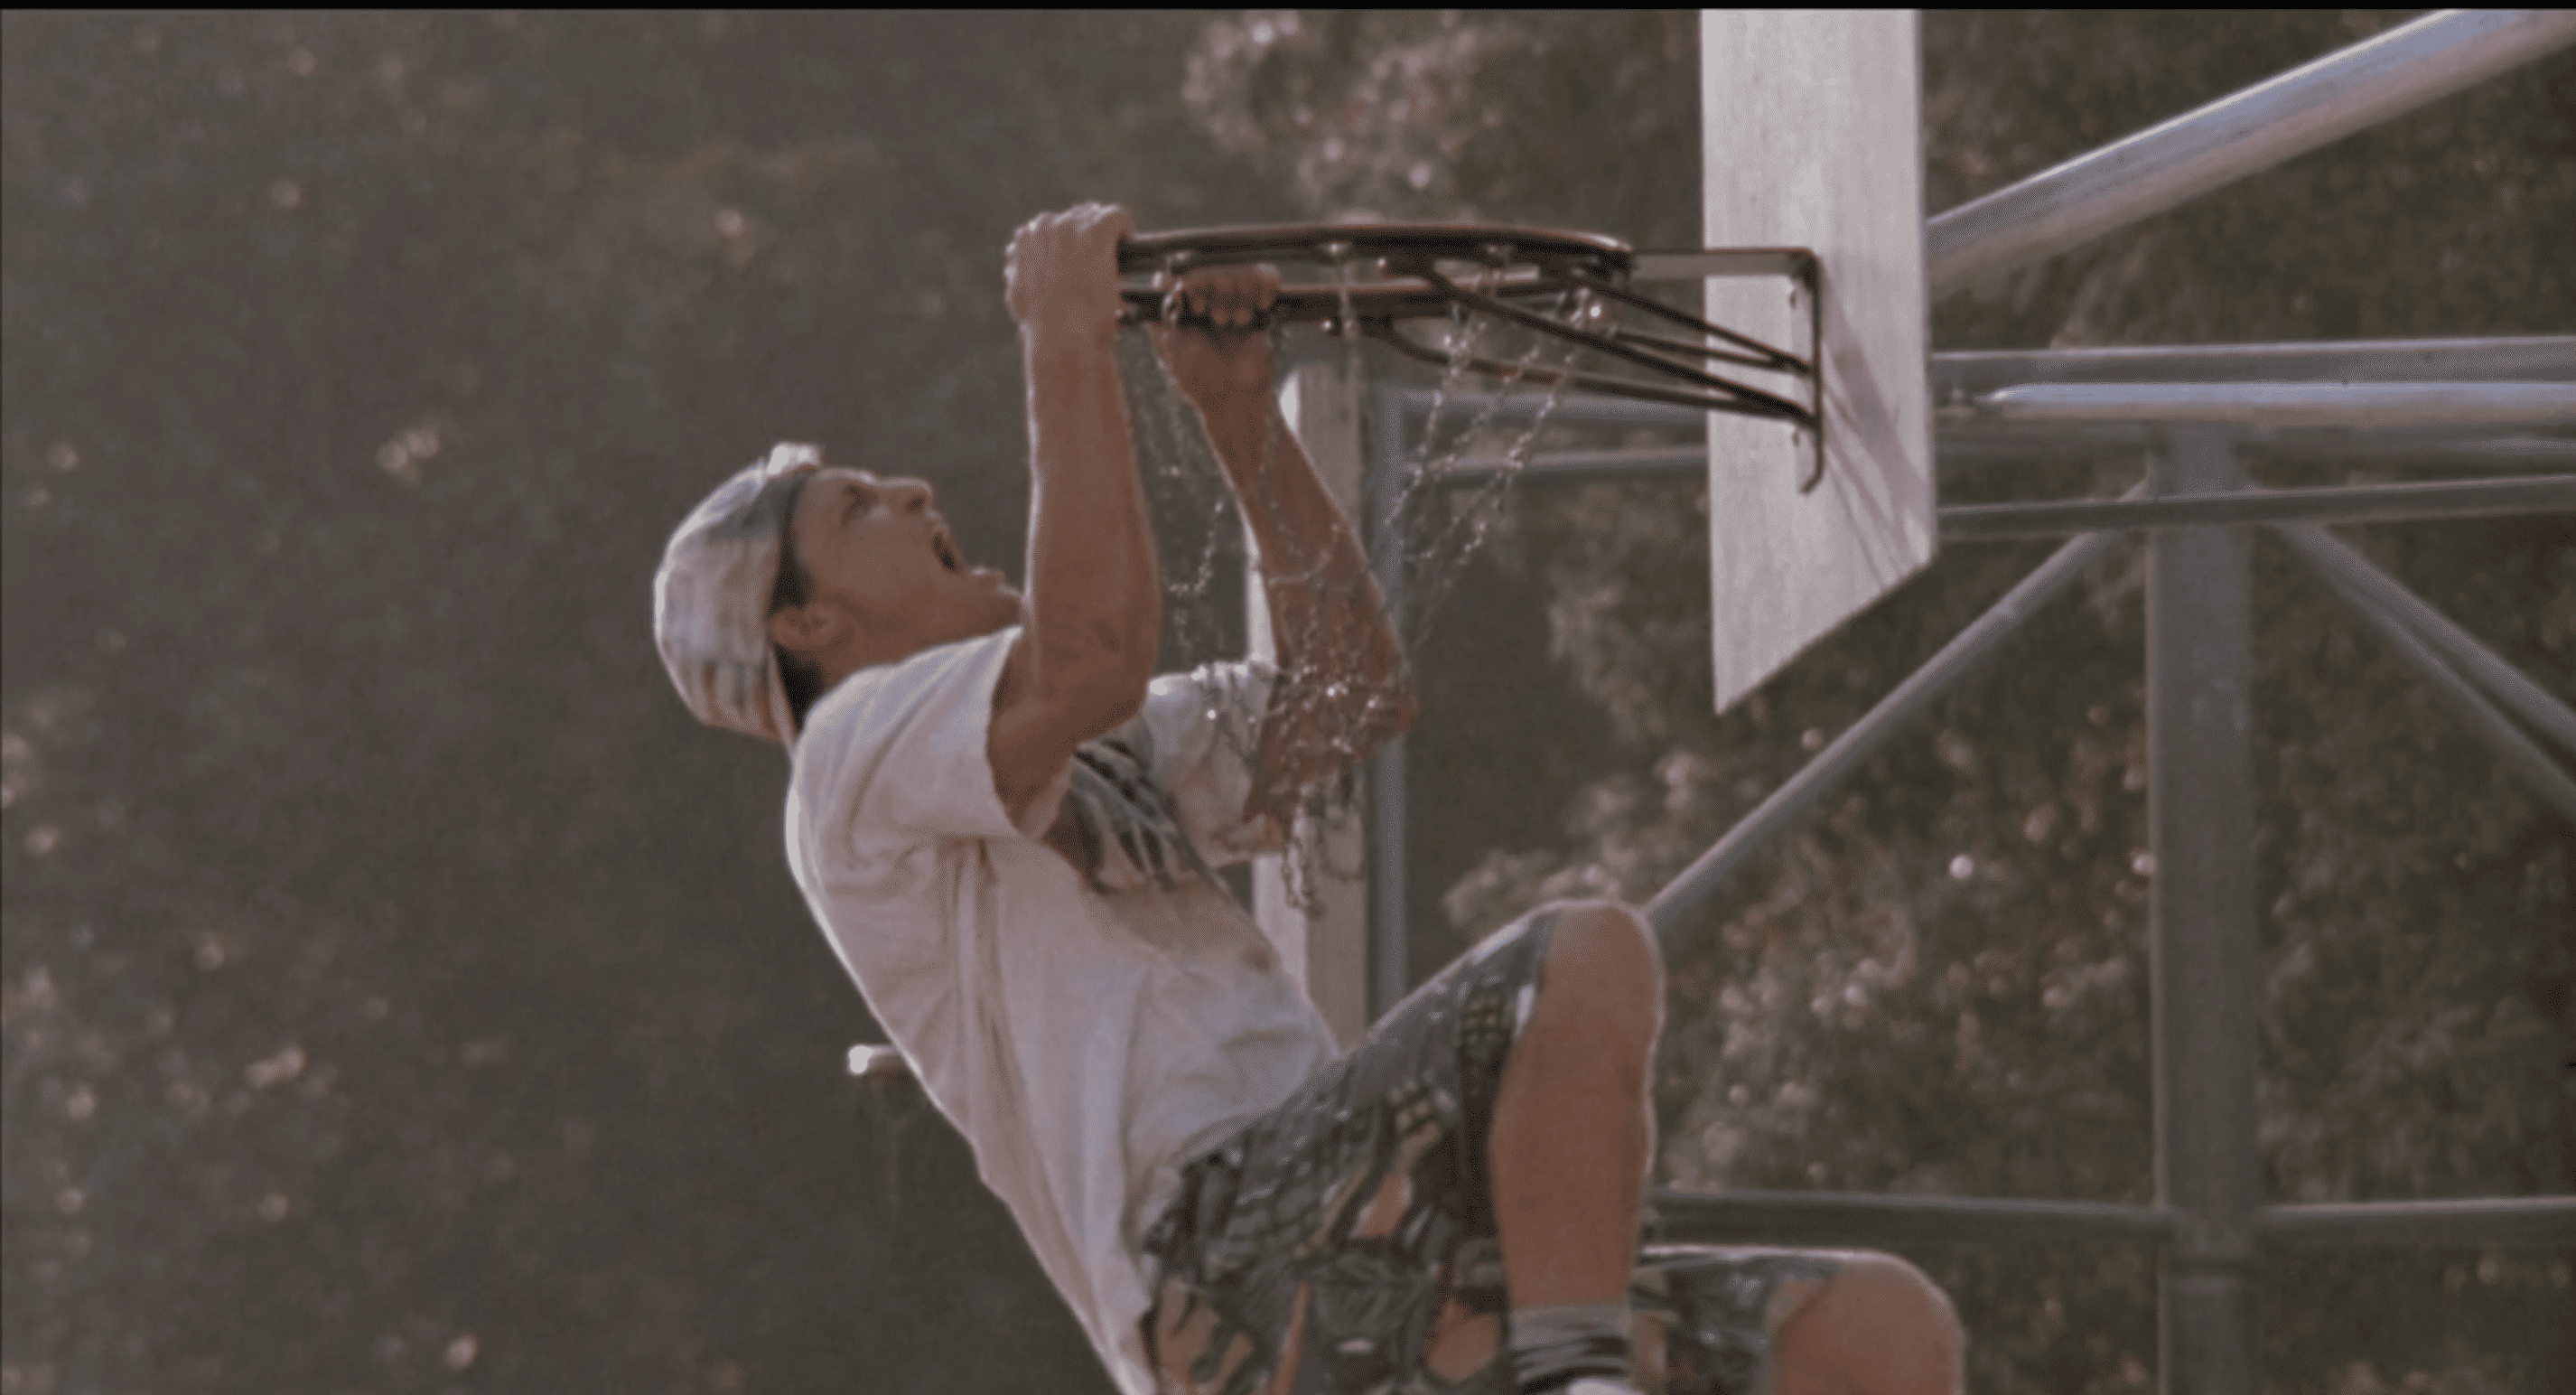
pixel 1349 1233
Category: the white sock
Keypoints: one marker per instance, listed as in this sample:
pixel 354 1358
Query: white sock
pixel 1555 1346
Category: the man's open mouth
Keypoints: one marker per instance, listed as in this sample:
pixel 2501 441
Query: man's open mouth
pixel 945 547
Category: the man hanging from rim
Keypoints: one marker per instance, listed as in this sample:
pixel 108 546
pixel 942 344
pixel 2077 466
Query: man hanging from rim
pixel 1007 825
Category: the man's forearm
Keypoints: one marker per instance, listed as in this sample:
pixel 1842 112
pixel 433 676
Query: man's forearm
pixel 1327 614
pixel 1094 601
pixel 1344 688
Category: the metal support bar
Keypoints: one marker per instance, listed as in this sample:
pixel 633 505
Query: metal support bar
pixel 2349 504
pixel 1382 482
pixel 1970 448
pixel 2273 404
pixel 2468 450
pixel 2514 1222
pixel 1787 804
pixel 2456 693
pixel 1961 376
pixel 1754 1217
pixel 2252 130
pixel 2331 557
pixel 2200 803
pixel 1322 934
pixel 1850 1218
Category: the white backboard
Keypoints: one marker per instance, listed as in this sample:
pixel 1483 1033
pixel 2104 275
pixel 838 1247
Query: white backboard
pixel 1811 126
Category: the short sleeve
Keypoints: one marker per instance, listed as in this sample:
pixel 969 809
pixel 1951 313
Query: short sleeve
pixel 1206 733
pixel 897 754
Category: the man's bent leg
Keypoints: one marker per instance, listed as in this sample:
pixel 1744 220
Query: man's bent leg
pixel 1349 1236
pixel 1573 1129
pixel 1353 1232
pixel 1878 1327
pixel 1571 1139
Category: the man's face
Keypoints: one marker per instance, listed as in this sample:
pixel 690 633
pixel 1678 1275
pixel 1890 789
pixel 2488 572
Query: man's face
pixel 880 548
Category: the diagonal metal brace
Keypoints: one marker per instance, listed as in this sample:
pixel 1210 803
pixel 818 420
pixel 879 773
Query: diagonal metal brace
pixel 2526 756
pixel 1790 803
pixel 2324 553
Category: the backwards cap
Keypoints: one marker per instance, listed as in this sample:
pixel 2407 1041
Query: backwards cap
pixel 711 599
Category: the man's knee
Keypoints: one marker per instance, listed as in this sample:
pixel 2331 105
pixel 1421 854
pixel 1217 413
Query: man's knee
pixel 1879 1327
pixel 1605 949
pixel 1897 1290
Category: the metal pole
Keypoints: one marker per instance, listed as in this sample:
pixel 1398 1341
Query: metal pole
pixel 1789 803
pixel 1325 929
pixel 1390 969
pixel 2218 144
pixel 2419 449
pixel 2352 503
pixel 2200 669
pixel 1742 1215
pixel 1962 375
pixel 2281 404
pixel 2500 1222
pixel 1968 447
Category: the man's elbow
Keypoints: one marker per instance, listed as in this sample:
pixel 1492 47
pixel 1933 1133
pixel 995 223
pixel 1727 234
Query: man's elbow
pixel 1380 717
pixel 1392 703
pixel 1104 698
pixel 1402 710
pixel 1095 668
pixel 1119 707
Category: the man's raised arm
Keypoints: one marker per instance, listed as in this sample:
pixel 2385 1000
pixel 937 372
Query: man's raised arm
pixel 1344 685
pixel 1094 603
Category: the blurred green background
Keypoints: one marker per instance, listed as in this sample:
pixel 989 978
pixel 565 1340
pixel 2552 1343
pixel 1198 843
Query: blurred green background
pixel 401 993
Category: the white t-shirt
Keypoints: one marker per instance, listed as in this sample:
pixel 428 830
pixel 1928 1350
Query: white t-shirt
pixel 1089 1031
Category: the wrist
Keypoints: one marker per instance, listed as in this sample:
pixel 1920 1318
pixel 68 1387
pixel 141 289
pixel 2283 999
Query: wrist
pixel 1061 327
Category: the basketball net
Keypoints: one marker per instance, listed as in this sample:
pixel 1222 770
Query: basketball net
pixel 1438 527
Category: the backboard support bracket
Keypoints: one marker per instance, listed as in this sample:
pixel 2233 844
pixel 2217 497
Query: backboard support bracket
pixel 1799 266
